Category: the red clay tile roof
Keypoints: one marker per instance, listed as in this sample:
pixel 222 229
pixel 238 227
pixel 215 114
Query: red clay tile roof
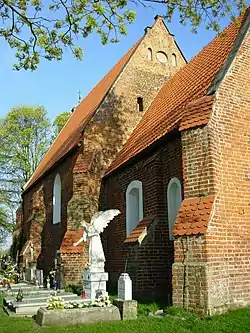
pixel 71 237
pixel 197 113
pixel 171 105
pixel 193 216
pixel 140 231
pixel 70 135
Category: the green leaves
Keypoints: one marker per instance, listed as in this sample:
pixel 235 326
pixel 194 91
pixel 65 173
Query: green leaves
pixel 43 29
pixel 207 11
pixel 59 122
pixel 25 136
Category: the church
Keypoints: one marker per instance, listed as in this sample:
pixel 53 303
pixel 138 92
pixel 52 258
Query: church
pixel 167 143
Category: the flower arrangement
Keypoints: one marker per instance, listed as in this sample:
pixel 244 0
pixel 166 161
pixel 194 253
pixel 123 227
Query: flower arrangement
pixel 99 302
pixel 55 303
pixel 8 272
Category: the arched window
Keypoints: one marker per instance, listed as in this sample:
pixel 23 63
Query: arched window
pixel 174 197
pixel 140 104
pixel 150 54
pixel 57 194
pixel 134 205
pixel 162 57
pixel 174 60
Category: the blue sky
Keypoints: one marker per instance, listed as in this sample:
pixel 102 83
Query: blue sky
pixel 56 84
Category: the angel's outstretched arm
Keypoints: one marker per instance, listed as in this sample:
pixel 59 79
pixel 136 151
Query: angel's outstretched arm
pixel 78 242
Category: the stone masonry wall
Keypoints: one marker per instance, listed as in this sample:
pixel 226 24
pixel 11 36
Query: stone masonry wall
pixel 149 264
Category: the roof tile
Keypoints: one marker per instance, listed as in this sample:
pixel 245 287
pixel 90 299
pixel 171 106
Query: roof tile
pixel 193 222
pixel 140 231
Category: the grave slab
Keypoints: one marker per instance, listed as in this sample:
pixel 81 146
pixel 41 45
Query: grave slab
pixel 30 309
pixel 68 317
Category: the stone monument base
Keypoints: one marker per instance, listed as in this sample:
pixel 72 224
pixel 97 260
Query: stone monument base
pixel 94 284
pixel 128 309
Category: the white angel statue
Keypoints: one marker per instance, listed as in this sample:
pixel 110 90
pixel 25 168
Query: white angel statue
pixel 91 231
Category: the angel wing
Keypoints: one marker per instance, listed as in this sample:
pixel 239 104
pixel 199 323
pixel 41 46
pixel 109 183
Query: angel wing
pixel 101 219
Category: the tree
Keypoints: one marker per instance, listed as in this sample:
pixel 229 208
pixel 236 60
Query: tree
pixel 59 122
pixel 25 137
pixel 5 226
pixel 39 28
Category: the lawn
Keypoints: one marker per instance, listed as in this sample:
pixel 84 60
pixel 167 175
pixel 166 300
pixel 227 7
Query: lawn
pixel 182 322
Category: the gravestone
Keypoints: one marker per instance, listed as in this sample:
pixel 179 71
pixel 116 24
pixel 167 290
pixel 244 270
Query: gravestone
pixel 125 287
pixel 30 274
pixel 39 277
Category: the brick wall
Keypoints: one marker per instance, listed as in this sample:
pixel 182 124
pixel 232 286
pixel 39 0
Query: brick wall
pixel 216 161
pixel 229 275
pixel 47 236
pixel 148 264
pixel 197 162
pixel 73 264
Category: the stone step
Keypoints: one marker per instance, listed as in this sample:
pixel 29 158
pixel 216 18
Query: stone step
pixel 33 291
pixel 38 297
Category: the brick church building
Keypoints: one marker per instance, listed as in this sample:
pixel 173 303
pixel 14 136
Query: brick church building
pixel 166 143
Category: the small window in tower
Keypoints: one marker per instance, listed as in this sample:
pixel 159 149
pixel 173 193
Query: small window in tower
pixel 150 54
pixel 140 104
pixel 174 60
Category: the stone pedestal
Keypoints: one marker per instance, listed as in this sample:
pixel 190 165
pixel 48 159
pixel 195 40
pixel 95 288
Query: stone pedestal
pixel 94 283
pixel 128 309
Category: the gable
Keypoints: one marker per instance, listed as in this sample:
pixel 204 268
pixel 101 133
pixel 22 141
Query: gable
pixel 176 103
pixel 71 133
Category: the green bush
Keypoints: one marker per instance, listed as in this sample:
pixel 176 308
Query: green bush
pixel 76 289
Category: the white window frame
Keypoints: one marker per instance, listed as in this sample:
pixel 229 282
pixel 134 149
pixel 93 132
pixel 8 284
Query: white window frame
pixel 171 214
pixel 57 198
pixel 138 185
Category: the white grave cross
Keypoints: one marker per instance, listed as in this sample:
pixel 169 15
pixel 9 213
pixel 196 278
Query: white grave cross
pixel 125 287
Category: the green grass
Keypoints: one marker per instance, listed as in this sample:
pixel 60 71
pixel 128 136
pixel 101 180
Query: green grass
pixel 233 322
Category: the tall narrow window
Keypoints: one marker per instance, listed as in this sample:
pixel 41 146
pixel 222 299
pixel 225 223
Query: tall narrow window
pixel 174 198
pixel 57 194
pixel 134 205
pixel 174 60
pixel 150 54
pixel 140 104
